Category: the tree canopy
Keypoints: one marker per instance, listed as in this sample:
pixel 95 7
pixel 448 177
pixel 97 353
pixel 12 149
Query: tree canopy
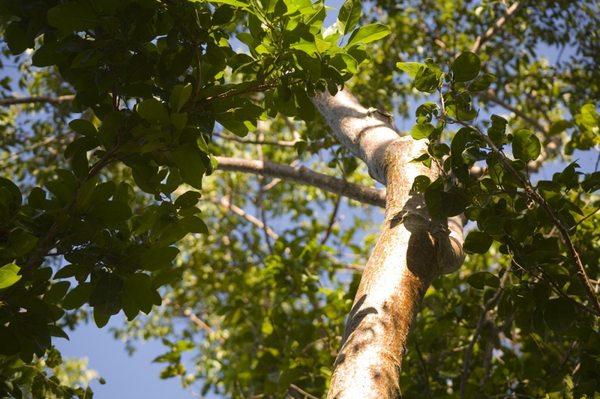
pixel 165 159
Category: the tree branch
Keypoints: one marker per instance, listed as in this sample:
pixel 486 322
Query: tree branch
pixel 411 250
pixel 4 102
pixel 489 305
pixel 332 217
pixel 226 203
pixel 302 174
pixel 535 196
pixel 491 95
pixel 279 143
pixel 492 30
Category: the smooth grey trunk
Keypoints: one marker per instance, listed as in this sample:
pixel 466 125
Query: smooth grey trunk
pixel 411 250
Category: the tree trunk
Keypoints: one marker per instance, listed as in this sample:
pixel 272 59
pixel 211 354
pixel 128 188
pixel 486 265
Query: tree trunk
pixel 411 250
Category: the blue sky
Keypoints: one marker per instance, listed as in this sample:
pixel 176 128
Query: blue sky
pixel 132 377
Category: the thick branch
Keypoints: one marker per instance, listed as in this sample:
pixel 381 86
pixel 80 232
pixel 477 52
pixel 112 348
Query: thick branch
pixel 403 263
pixel 411 250
pixel 306 176
pixel 365 133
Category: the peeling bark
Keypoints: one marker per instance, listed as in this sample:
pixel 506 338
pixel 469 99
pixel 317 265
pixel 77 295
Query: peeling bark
pixel 411 250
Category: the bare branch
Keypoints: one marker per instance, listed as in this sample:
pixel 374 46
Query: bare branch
pixel 259 198
pixel 226 203
pixel 4 102
pixel 492 96
pixel 196 320
pixel 298 393
pixel 302 174
pixel 332 217
pixel 492 30
pixel 489 305
pixel 280 143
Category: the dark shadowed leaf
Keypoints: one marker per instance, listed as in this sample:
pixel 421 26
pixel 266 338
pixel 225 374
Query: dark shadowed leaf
pixel 466 67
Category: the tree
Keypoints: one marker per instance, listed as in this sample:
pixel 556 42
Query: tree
pixel 137 169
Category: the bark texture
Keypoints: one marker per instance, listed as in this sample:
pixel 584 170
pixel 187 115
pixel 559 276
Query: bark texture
pixel 411 250
pixel 301 174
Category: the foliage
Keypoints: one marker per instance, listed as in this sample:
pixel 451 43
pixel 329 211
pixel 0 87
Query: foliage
pixel 110 201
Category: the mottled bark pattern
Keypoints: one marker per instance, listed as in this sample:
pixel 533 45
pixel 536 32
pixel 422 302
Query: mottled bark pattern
pixel 395 278
pixel 411 250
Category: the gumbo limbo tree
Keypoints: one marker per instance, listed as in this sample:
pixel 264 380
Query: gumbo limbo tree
pixel 220 166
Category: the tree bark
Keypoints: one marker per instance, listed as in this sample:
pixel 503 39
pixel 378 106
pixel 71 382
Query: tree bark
pixel 411 250
pixel 303 175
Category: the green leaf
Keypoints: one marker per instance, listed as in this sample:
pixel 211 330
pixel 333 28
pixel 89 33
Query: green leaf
pixel 368 34
pixel 421 183
pixel 267 327
pixel 158 258
pixel 111 212
pixel 180 96
pixel 138 294
pixel 411 68
pixel 234 3
pixel 443 204
pixel 466 67
pixel 525 145
pixel 9 342
pixel 477 242
pixel 421 130
pixel 17 38
pixel 77 296
pixel 481 279
pixel 349 15
pixel 482 82
pixel 559 313
pixel 10 197
pixel 9 275
pixel 428 78
pixel 187 199
pixel 153 110
pixel 57 291
pixel 588 117
pixel 497 130
pixel 20 242
pixel 190 162
pixel 72 16
pixel 194 224
pixel 101 316
pixel 83 127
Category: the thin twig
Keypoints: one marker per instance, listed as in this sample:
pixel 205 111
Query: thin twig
pixel 36 100
pixel 424 367
pixel 296 389
pixel 226 203
pixel 259 198
pixel 280 143
pixel 332 217
pixel 537 198
pixel 492 30
pixel 196 320
pixel 493 97
pixel 489 305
